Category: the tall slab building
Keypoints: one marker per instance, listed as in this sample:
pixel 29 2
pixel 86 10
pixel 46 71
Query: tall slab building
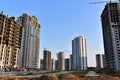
pixel 10 42
pixel 53 64
pixel 47 61
pixel 30 41
pixel 79 53
pixel 61 61
pixel 67 64
pixel 110 19
pixel 100 61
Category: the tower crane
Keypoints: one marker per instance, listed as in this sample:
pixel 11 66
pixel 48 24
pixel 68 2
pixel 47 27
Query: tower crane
pixel 111 15
pixel 109 6
pixel 100 2
pixel 104 2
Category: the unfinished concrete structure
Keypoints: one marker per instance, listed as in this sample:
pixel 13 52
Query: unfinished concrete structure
pixel 30 41
pixel 10 42
pixel 110 19
pixel 61 61
pixel 47 61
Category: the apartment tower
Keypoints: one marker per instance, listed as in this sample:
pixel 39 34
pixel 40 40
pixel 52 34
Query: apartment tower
pixel 41 64
pixel 67 64
pixel 100 61
pixel 30 41
pixel 10 42
pixel 47 61
pixel 79 53
pixel 61 61
pixel 53 64
pixel 110 19
pixel 71 61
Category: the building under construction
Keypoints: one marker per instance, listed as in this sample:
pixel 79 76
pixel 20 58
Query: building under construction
pixel 10 41
pixel 30 41
pixel 110 19
pixel 61 61
pixel 47 65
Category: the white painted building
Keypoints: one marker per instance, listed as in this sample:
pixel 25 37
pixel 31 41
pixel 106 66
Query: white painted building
pixel 79 53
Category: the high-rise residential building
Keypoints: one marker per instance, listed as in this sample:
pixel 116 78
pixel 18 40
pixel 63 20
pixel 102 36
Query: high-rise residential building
pixel 10 42
pixel 47 65
pixel 53 64
pixel 61 61
pixel 100 61
pixel 30 41
pixel 56 65
pixel 71 62
pixel 67 64
pixel 41 64
pixel 79 53
pixel 110 19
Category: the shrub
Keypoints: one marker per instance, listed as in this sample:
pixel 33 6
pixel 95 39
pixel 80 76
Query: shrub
pixel 30 73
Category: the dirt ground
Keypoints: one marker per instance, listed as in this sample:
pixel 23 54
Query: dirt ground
pixel 57 77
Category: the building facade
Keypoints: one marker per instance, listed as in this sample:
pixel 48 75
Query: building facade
pixel 10 42
pixel 79 53
pixel 110 19
pixel 71 62
pixel 47 61
pixel 41 64
pixel 61 61
pixel 56 65
pixel 30 41
pixel 100 61
pixel 53 65
pixel 67 64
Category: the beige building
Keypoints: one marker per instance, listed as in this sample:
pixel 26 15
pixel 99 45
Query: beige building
pixel 10 42
pixel 61 61
pixel 53 64
pixel 30 41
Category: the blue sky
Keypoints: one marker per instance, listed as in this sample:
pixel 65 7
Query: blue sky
pixel 61 21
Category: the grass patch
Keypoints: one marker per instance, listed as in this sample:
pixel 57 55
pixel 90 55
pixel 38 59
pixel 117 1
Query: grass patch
pixel 53 71
pixel 56 71
pixel 80 73
pixel 84 71
pixel 30 73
